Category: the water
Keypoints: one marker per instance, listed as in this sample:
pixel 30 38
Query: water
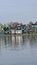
pixel 18 50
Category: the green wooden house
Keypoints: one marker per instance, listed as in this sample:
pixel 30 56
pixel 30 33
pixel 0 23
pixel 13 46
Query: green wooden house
pixel 34 26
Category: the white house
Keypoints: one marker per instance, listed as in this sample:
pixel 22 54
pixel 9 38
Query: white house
pixel 18 30
pixel 12 29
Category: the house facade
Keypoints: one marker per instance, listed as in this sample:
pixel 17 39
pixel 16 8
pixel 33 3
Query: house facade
pixel 18 29
pixel 24 29
pixel 34 26
pixel 12 29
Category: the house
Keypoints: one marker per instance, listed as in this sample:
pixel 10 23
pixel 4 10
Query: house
pixel 16 23
pixel 18 29
pixel 29 28
pixel 24 29
pixel 12 29
pixel 34 26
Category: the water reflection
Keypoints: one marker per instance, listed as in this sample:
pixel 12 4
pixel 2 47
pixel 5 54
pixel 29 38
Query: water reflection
pixel 7 40
pixel 18 41
pixel 18 50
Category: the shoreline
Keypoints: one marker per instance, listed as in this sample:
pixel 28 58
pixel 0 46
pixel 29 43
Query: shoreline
pixel 18 34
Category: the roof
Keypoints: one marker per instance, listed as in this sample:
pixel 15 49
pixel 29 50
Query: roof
pixel 34 24
pixel 12 28
pixel 18 27
pixel 16 23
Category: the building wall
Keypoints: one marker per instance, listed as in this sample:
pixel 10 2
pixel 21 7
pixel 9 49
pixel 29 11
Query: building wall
pixel 18 31
pixel 12 31
pixel 35 28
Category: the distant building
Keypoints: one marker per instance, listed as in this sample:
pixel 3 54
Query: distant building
pixel 18 29
pixel 24 29
pixel 29 28
pixel 16 23
pixel 12 29
pixel 34 26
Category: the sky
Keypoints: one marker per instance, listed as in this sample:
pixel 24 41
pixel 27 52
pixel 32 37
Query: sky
pixel 18 10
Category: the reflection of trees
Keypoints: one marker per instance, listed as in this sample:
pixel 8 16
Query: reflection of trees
pixel 23 39
pixel 1 42
pixel 32 40
pixel 8 40
pixel 16 41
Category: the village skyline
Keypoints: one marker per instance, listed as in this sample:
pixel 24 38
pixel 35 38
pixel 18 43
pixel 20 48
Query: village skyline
pixel 9 22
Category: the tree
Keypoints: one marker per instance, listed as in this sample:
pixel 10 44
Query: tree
pixel 30 23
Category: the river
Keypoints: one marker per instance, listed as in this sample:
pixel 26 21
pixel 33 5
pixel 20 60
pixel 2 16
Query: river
pixel 18 50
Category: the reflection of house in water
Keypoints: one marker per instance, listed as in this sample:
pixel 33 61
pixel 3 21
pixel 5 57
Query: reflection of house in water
pixel 16 40
pixel 19 39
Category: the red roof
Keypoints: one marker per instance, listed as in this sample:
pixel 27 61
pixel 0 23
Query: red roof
pixel 16 23
pixel 36 22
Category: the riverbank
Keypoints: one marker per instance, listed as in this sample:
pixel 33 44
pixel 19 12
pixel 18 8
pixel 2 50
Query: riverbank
pixel 17 34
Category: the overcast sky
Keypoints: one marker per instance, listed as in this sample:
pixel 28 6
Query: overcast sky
pixel 18 10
